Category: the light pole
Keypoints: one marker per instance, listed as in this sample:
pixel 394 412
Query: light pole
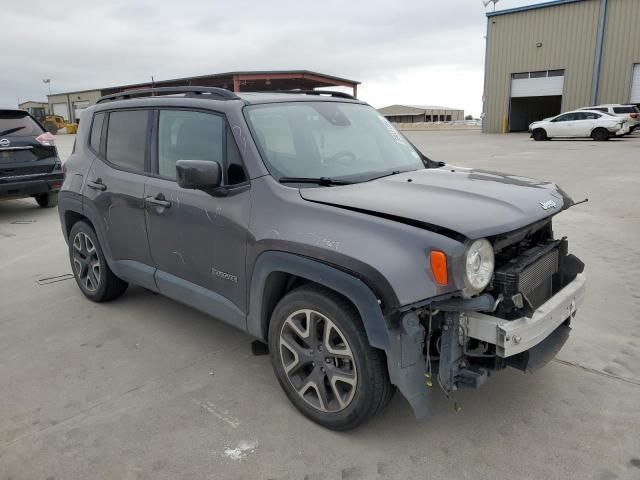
pixel 48 82
pixel 487 2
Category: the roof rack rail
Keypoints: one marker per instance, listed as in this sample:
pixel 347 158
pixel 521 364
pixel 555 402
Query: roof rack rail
pixel 318 92
pixel 213 93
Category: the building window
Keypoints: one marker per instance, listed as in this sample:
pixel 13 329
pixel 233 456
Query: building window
pixel 538 74
pixel 448 118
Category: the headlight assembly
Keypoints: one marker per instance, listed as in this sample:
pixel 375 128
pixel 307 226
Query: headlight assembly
pixel 478 266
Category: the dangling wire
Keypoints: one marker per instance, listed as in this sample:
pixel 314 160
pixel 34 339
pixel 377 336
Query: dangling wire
pixel 429 380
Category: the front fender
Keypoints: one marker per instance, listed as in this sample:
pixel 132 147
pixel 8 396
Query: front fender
pixel 347 285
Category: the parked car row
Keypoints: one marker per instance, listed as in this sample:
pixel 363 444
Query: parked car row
pixel 600 122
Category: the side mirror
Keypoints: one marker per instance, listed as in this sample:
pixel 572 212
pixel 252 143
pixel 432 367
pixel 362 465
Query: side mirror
pixel 202 175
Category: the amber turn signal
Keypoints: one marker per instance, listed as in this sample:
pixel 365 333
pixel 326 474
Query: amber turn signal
pixel 438 262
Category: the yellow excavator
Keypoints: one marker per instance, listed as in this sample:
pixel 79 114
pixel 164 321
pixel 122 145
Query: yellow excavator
pixel 52 123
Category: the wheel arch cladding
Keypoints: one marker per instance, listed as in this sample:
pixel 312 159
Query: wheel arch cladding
pixel 70 211
pixel 71 217
pixel 268 280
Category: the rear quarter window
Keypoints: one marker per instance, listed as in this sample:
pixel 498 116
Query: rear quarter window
pixel 624 110
pixel 18 124
pixel 96 131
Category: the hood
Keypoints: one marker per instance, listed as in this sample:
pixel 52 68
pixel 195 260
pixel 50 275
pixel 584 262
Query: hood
pixel 472 203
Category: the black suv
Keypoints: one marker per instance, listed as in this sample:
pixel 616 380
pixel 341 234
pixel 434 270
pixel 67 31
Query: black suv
pixel 308 221
pixel 29 163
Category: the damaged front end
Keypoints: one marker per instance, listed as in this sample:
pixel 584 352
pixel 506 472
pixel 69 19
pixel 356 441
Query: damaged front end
pixel 520 320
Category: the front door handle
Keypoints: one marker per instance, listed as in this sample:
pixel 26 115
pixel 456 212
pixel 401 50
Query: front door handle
pixel 97 185
pixel 158 200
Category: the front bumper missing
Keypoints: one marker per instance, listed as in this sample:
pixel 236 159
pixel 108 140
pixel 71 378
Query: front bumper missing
pixel 512 337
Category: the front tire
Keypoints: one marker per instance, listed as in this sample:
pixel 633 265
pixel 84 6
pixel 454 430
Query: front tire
pixel 323 361
pixel 540 135
pixel 47 200
pixel 94 277
pixel 600 134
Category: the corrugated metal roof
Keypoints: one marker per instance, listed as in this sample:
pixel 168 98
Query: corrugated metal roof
pixel 531 7
pixel 159 83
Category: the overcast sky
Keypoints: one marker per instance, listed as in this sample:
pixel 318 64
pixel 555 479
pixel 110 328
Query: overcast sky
pixel 417 52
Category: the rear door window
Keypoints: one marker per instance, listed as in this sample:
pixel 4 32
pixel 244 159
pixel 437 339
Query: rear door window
pixel 127 139
pixel 624 109
pixel 18 124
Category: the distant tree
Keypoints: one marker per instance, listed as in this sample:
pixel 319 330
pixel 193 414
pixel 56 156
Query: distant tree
pixel 469 117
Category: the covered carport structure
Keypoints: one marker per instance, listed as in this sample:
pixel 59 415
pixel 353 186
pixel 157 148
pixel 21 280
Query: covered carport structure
pixel 250 81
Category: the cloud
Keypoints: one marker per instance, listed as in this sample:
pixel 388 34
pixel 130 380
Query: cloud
pixel 403 51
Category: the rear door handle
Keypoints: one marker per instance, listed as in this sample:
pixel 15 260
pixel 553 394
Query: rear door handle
pixel 97 185
pixel 158 200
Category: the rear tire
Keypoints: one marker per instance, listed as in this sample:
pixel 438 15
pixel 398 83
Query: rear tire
pixel 90 269
pixel 539 135
pixel 600 134
pixel 323 361
pixel 47 200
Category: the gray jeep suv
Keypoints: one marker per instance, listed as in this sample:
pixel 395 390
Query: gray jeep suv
pixel 308 221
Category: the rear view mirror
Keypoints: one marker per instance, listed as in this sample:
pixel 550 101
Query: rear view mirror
pixel 205 175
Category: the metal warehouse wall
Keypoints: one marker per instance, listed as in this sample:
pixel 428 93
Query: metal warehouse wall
pixel 91 96
pixel 621 50
pixel 568 35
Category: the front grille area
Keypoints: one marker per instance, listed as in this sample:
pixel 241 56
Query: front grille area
pixel 530 274
pixel 536 274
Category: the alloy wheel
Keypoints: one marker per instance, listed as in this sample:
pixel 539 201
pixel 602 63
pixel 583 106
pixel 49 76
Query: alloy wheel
pixel 86 262
pixel 318 361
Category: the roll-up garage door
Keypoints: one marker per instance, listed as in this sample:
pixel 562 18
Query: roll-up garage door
pixel 537 84
pixel 635 84
pixel 61 109
pixel 534 96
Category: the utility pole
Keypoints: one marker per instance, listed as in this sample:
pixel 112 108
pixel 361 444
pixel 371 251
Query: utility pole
pixel 48 82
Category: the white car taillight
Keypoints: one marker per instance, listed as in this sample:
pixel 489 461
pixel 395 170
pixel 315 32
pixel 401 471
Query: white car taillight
pixel 46 139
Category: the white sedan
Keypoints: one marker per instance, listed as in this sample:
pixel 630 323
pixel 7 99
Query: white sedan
pixel 579 124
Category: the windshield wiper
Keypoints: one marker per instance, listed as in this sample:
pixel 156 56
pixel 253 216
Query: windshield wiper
pixel 11 130
pixel 324 181
pixel 388 174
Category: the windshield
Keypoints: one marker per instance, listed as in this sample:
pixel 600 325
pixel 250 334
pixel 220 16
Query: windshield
pixel 329 140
